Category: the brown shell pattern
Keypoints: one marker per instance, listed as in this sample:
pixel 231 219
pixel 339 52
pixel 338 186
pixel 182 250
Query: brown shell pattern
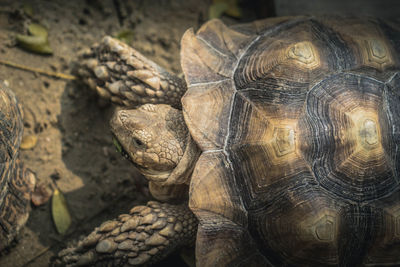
pixel 16 183
pixel 298 119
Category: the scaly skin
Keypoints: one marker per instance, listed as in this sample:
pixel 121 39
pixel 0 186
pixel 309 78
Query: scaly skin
pixel 121 74
pixel 16 183
pixel 144 236
pixel 154 137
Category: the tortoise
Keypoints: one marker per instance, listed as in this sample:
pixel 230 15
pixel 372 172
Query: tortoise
pixel 282 140
pixel 17 182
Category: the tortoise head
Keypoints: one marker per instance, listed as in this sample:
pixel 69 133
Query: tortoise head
pixel 156 140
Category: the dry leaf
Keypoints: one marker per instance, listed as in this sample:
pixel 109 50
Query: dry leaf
pixel 37 30
pixel 125 36
pixel 37 44
pixel 216 10
pixel 229 7
pixel 27 9
pixel 28 141
pixel 60 213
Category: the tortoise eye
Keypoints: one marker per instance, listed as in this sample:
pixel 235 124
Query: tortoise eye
pixel 138 143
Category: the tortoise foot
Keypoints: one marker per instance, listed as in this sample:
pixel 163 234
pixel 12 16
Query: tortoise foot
pixel 121 74
pixel 144 236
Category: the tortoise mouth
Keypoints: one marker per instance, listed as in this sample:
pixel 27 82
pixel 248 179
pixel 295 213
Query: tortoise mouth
pixel 120 149
pixel 153 175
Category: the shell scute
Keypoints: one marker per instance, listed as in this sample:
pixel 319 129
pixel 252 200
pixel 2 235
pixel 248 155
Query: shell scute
pixel 224 39
pixel 211 54
pixel 292 61
pixel 345 128
pixel 206 119
pixel 312 221
pixel 213 180
pixel 368 41
pixel 16 182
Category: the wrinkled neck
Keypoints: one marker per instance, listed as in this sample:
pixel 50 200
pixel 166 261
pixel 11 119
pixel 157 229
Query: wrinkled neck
pixel 183 171
pixel 176 186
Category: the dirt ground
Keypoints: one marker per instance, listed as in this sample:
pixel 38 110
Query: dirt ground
pixel 74 148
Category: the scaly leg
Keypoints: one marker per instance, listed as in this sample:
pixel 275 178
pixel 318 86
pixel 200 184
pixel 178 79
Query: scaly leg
pixel 145 236
pixel 120 73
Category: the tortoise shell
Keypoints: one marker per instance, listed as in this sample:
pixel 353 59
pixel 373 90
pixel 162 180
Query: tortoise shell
pixel 298 120
pixel 16 182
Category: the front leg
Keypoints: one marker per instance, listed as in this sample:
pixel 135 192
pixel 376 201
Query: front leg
pixel 145 236
pixel 121 74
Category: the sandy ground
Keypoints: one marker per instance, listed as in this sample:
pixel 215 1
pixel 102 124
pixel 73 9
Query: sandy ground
pixel 74 148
